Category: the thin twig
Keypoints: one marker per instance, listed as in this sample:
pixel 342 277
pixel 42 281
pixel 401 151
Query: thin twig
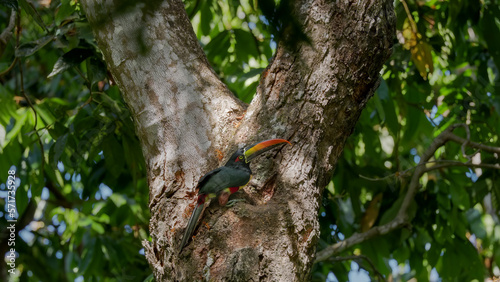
pixel 23 92
pixel 9 68
pixel 475 145
pixel 5 37
pixel 89 85
pixel 6 34
pixel 439 164
pixel 456 163
pixel 410 18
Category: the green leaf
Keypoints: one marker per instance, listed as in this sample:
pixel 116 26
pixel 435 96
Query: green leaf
pixel 387 111
pixel 450 263
pixel 133 157
pixel 150 278
pixel 491 31
pixel 434 253
pixel 22 199
pixel 9 107
pixel 15 131
pixel 118 199
pixel 57 130
pixel 413 119
pixel 391 213
pixel 476 223
pixel 252 73
pixel 96 69
pixel 97 227
pixel 422 57
pixel 71 59
pixel 444 201
pixel 88 255
pixel 45 113
pixel 59 147
pixel 442 232
pixel 218 47
pixel 457 223
pixel 459 197
pixel 30 10
pixel 113 155
pixel 97 263
pixel 65 10
pixel 245 44
pixel 28 49
pixel 70 262
pixel 376 249
pixel 206 17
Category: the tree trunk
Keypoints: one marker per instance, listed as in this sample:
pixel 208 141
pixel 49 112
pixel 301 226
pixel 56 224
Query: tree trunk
pixel 311 95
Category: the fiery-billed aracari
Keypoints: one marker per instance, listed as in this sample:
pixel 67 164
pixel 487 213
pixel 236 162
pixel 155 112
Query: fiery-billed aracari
pixel 226 180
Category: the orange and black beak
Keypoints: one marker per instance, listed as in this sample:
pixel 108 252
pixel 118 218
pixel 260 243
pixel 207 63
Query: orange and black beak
pixel 261 147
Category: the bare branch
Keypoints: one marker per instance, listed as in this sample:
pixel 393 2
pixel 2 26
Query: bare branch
pixel 357 238
pixel 443 164
pixel 440 164
pixel 7 34
pixel 471 144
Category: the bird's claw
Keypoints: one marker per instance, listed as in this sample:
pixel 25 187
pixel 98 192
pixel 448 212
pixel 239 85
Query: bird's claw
pixel 234 201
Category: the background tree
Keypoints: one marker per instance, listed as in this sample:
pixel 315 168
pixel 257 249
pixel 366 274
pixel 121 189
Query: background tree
pixel 87 195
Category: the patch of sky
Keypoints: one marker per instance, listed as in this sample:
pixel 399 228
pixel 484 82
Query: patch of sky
pixel 435 120
pixel 472 175
pixel 105 191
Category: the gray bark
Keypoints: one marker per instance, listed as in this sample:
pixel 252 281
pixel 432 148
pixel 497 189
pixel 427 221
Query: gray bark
pixel 312 96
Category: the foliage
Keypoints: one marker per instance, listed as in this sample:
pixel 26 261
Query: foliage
pixel 235 39
pixel 82 194
pixel 444 71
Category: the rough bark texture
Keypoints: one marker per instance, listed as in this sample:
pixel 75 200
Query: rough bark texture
pixel 312 96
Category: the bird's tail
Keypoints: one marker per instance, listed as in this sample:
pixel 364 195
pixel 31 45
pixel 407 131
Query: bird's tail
pixel 191 225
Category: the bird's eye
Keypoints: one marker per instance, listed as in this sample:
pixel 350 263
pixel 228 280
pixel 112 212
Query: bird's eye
pixel 240 157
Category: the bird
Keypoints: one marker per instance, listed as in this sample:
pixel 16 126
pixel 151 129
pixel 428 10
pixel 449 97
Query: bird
pixel 226 180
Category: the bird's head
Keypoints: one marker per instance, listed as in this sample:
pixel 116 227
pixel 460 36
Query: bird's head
pixel 243 156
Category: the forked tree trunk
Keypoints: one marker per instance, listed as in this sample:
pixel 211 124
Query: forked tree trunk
pixel 184 116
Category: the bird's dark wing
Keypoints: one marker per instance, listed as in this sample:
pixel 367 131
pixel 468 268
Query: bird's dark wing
pixel 221 178
pixel 207 176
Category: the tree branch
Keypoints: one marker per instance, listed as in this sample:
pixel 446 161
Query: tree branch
pixel 402 219
pixel 443 164
pixel 7 34
pixel 471 144
pixel 357 238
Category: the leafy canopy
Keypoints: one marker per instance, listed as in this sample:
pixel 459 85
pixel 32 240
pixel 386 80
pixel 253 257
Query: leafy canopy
pixel 82 196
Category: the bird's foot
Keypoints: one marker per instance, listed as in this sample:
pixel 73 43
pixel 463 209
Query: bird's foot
pixel 234 201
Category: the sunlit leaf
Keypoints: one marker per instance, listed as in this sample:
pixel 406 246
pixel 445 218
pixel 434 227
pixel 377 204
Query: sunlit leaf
pixel 65 10
pixel 422 57
pixel 371 213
